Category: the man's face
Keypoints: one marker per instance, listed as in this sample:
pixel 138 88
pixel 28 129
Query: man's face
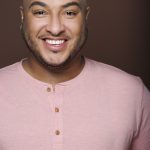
pixel 54 30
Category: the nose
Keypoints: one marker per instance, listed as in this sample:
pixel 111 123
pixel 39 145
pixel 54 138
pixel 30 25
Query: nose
pixel 55 26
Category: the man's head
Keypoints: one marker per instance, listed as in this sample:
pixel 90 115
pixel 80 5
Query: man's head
pixel 54 30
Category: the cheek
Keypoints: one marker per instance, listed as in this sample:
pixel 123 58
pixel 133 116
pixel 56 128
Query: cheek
pixel 33 26
pixel 74 27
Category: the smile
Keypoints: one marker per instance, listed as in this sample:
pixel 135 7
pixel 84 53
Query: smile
pixel 55 45
pixel 55 42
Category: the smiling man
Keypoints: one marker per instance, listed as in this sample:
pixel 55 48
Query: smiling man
pixel 57 99
pixel 54 31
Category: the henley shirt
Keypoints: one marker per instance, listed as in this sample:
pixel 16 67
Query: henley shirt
pixel 103 108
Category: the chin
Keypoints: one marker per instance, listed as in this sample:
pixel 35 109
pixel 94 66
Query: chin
pixel 55 64
pixel 58 65
pixel 58 62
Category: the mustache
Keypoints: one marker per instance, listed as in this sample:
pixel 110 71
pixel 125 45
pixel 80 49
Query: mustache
pixel 55 35
pixel 51 36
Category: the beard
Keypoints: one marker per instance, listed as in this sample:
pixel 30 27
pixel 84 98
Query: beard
pixel 33 48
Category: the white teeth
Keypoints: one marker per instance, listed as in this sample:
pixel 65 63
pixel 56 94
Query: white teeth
pixel 55 42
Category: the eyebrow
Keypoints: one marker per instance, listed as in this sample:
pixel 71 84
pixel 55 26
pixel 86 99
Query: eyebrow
pixel 63 6
pixel 72 4
pixel 37 3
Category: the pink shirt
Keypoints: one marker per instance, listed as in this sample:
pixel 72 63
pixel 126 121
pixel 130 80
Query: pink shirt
pixel 103 108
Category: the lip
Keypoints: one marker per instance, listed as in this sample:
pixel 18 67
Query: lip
pixel 55 47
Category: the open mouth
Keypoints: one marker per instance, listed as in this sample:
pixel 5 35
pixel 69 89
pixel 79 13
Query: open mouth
pixel 55 42
pixel 55 45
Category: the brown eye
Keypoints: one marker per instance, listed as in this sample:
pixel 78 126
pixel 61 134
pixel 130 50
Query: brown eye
pixel 39 13
pixel 70 14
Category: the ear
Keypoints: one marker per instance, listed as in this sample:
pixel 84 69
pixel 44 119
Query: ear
pixel 87 12
pixel 21 13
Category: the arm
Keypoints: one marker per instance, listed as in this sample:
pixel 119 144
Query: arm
pixel 142 140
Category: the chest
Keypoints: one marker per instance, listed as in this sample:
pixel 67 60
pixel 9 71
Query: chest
pixel 74 121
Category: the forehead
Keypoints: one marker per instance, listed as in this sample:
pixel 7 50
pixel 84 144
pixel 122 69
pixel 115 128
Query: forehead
pixel 59 2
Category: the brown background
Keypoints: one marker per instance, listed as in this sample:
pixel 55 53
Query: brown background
pixel 118 35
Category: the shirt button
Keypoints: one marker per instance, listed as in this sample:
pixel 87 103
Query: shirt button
pixel 48 89
pixel 56 109
pixel 57 132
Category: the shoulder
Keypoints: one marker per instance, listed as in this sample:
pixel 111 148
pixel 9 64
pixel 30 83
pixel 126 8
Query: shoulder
pixel 113 79
pixel 110 73
pixel 10 75
pixel 9 70
pixel 119 86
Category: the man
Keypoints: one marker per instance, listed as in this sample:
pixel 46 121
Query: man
pixel 56 99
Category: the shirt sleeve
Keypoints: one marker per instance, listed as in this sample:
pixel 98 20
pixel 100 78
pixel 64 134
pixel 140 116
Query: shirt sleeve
pixel 142 140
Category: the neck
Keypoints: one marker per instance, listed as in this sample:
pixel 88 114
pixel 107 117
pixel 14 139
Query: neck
pixel 44 74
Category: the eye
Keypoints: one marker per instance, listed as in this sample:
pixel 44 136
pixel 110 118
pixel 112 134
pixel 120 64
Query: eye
pixel 71 14
pixel 39 13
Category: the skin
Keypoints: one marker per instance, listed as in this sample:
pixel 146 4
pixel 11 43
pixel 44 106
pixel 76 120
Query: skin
pixel 46 20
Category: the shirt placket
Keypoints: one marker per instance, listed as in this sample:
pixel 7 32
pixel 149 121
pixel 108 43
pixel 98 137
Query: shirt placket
pixel 56 100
